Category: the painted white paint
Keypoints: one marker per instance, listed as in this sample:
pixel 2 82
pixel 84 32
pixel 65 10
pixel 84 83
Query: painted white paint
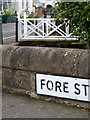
pixel 63 87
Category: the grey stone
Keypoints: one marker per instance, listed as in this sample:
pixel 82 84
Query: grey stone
pixel 18 79
pixel 7 52
pixel 19 65
pixel 62 61
pixel 0 55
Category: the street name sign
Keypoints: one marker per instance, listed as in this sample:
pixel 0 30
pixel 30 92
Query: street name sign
pixel 63 87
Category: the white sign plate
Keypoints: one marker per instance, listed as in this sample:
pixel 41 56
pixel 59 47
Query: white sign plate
pixel 63 87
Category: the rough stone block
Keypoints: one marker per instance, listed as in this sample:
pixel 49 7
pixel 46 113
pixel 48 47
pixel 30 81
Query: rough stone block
pixel 0 55
pixel 18 79
pixel 7 52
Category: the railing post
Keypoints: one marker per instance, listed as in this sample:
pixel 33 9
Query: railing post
pixel 17 39
pixel 43 28
pixel 67 28
pixel 25 25
pixel 19 28
pixel 47 27
pixel 1 33
pixel 36 22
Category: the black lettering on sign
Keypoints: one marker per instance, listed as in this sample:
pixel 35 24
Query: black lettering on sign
pixel 42 83
pixel 65 87
pixel 85 88
pixel 58 86
pixel 50 85
pixel 76 87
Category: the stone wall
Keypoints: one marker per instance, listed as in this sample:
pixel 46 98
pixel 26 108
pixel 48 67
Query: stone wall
pixel 20 64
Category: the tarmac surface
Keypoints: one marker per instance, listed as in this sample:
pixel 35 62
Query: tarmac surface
pixel 8 33
pixel 17 106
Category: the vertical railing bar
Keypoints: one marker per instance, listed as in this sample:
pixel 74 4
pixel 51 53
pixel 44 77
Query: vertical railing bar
pixel 47 31
pixel 67 29
pixel 25 25
pixel 43 28
pixel 19 27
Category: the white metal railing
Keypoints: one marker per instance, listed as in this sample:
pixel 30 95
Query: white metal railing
pixel 43 28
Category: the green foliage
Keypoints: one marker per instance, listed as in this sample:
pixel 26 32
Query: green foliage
pixel 31 15
pixel 79 15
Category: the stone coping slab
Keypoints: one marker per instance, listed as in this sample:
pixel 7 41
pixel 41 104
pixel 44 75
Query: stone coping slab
pixel 60 61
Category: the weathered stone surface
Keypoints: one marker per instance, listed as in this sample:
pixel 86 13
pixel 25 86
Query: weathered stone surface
pixel 19 65
pixel 0 77
pixel 18 79
pixel 32 94
pixel 7 52
pixel 63 61
pixel 0 55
